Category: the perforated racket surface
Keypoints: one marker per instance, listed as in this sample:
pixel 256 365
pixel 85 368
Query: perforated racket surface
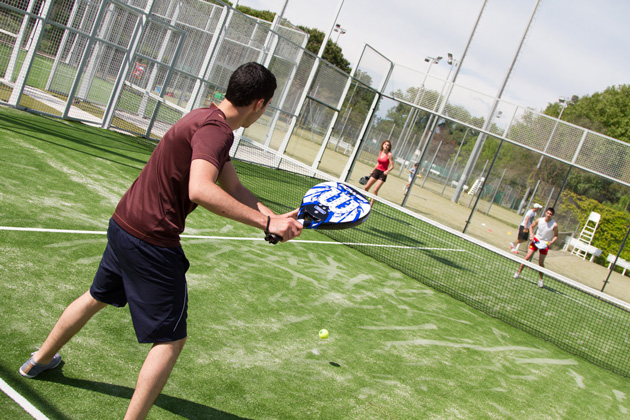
pixel 330 205
pixel 540 244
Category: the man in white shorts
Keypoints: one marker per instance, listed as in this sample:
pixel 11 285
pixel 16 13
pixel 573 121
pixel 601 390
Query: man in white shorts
pixel 523 229
pixel 546 234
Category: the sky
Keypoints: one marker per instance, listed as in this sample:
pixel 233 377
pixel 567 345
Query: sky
pixel 573 47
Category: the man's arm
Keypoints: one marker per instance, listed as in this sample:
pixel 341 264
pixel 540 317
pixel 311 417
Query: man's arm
pixel 531 229
pixel 229 182
pixel 233 200
pixel 555 233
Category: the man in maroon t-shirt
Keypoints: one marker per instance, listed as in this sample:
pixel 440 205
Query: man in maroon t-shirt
pixel 144 264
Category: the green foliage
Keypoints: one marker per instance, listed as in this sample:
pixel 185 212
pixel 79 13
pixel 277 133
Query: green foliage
pixel 604 112
pixel 260 14
pixel 332 53
pixel 359 100
pixel 597 188
pixel 612 226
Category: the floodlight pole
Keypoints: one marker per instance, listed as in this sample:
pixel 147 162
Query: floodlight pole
pixel 458 189
pixel 563 103
pixel 459 149
pixel 457 69
pixel 405 133
pixel 482 138
pixel 432 123
pixel 340 31
pixel 441 106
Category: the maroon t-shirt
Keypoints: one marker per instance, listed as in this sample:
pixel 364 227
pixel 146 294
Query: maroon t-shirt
pixel 156 205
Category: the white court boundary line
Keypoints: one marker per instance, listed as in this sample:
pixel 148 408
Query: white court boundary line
pixel 35 413
pixel 572 283
pixel 22 402
pixel 233 238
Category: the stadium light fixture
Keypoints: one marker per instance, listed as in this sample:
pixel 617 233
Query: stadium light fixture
pixel 433 60
pixel 453 63
pixel 564 102
pixel 340 31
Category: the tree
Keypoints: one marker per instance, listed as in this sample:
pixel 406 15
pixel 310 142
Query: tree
pixel 260 14
pixel 332 53
pixel 606 112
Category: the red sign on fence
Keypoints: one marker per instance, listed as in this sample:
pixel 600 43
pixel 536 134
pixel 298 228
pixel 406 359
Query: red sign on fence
pixel 139 70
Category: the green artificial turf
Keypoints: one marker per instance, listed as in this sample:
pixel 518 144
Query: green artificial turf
pixel 398 349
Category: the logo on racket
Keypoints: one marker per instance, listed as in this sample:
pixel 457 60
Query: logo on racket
pixel 331 205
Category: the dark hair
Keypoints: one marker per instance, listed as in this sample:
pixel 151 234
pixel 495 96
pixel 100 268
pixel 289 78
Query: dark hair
pixel 250 82
pixel 552 210
pixel 383 144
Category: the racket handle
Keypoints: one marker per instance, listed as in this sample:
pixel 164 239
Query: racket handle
pixel 272 238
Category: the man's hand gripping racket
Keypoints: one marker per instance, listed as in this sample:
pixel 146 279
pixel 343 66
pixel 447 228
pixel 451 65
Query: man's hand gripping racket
pixel 540 244
pixel 330 205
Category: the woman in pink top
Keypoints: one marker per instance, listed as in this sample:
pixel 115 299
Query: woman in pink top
pixel 384 165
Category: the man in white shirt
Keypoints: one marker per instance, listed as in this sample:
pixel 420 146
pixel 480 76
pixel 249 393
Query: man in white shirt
pixel 523 229
pixel 546 234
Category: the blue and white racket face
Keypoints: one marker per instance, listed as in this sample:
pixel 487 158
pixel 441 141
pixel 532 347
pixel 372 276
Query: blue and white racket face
pixel 333 205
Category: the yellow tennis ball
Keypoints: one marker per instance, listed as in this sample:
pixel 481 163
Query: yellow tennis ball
pixel 323 334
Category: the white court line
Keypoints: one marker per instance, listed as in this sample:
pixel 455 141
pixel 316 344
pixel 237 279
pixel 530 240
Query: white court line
pixel 35 413
pixel 234 238
pixel 88 232
pixel 27 406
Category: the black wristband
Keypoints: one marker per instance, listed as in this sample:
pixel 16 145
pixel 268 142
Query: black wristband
pixel 267 228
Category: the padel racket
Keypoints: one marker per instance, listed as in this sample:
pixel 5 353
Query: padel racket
pixel 540 244
pixel 330 205
pixel 364 180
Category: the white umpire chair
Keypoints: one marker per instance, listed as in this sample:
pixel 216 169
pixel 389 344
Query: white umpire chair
pixel 586 236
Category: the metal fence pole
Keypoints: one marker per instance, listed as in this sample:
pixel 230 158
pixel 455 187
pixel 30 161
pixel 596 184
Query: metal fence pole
pixel 20 82
pixel 612 266
pixel 495 191
pixel 483 184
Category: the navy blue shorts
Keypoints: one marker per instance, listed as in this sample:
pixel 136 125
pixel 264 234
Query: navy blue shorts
pixel 150 278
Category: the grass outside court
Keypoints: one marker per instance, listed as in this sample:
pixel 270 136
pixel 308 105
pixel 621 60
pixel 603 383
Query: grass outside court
pixel 398 349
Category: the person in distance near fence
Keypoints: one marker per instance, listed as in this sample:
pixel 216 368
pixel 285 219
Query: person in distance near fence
pixel 384 165
pixel 546 235
pixel 412 172
pixel 143 263
pixel 523 229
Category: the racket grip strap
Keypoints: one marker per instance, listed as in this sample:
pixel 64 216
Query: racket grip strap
pixel 270 237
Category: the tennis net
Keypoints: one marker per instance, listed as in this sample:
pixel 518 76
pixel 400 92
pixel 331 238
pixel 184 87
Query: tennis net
pixel 574 317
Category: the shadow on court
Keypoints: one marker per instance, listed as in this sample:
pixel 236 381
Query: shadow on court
pixel 93 142
pixel 178 406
